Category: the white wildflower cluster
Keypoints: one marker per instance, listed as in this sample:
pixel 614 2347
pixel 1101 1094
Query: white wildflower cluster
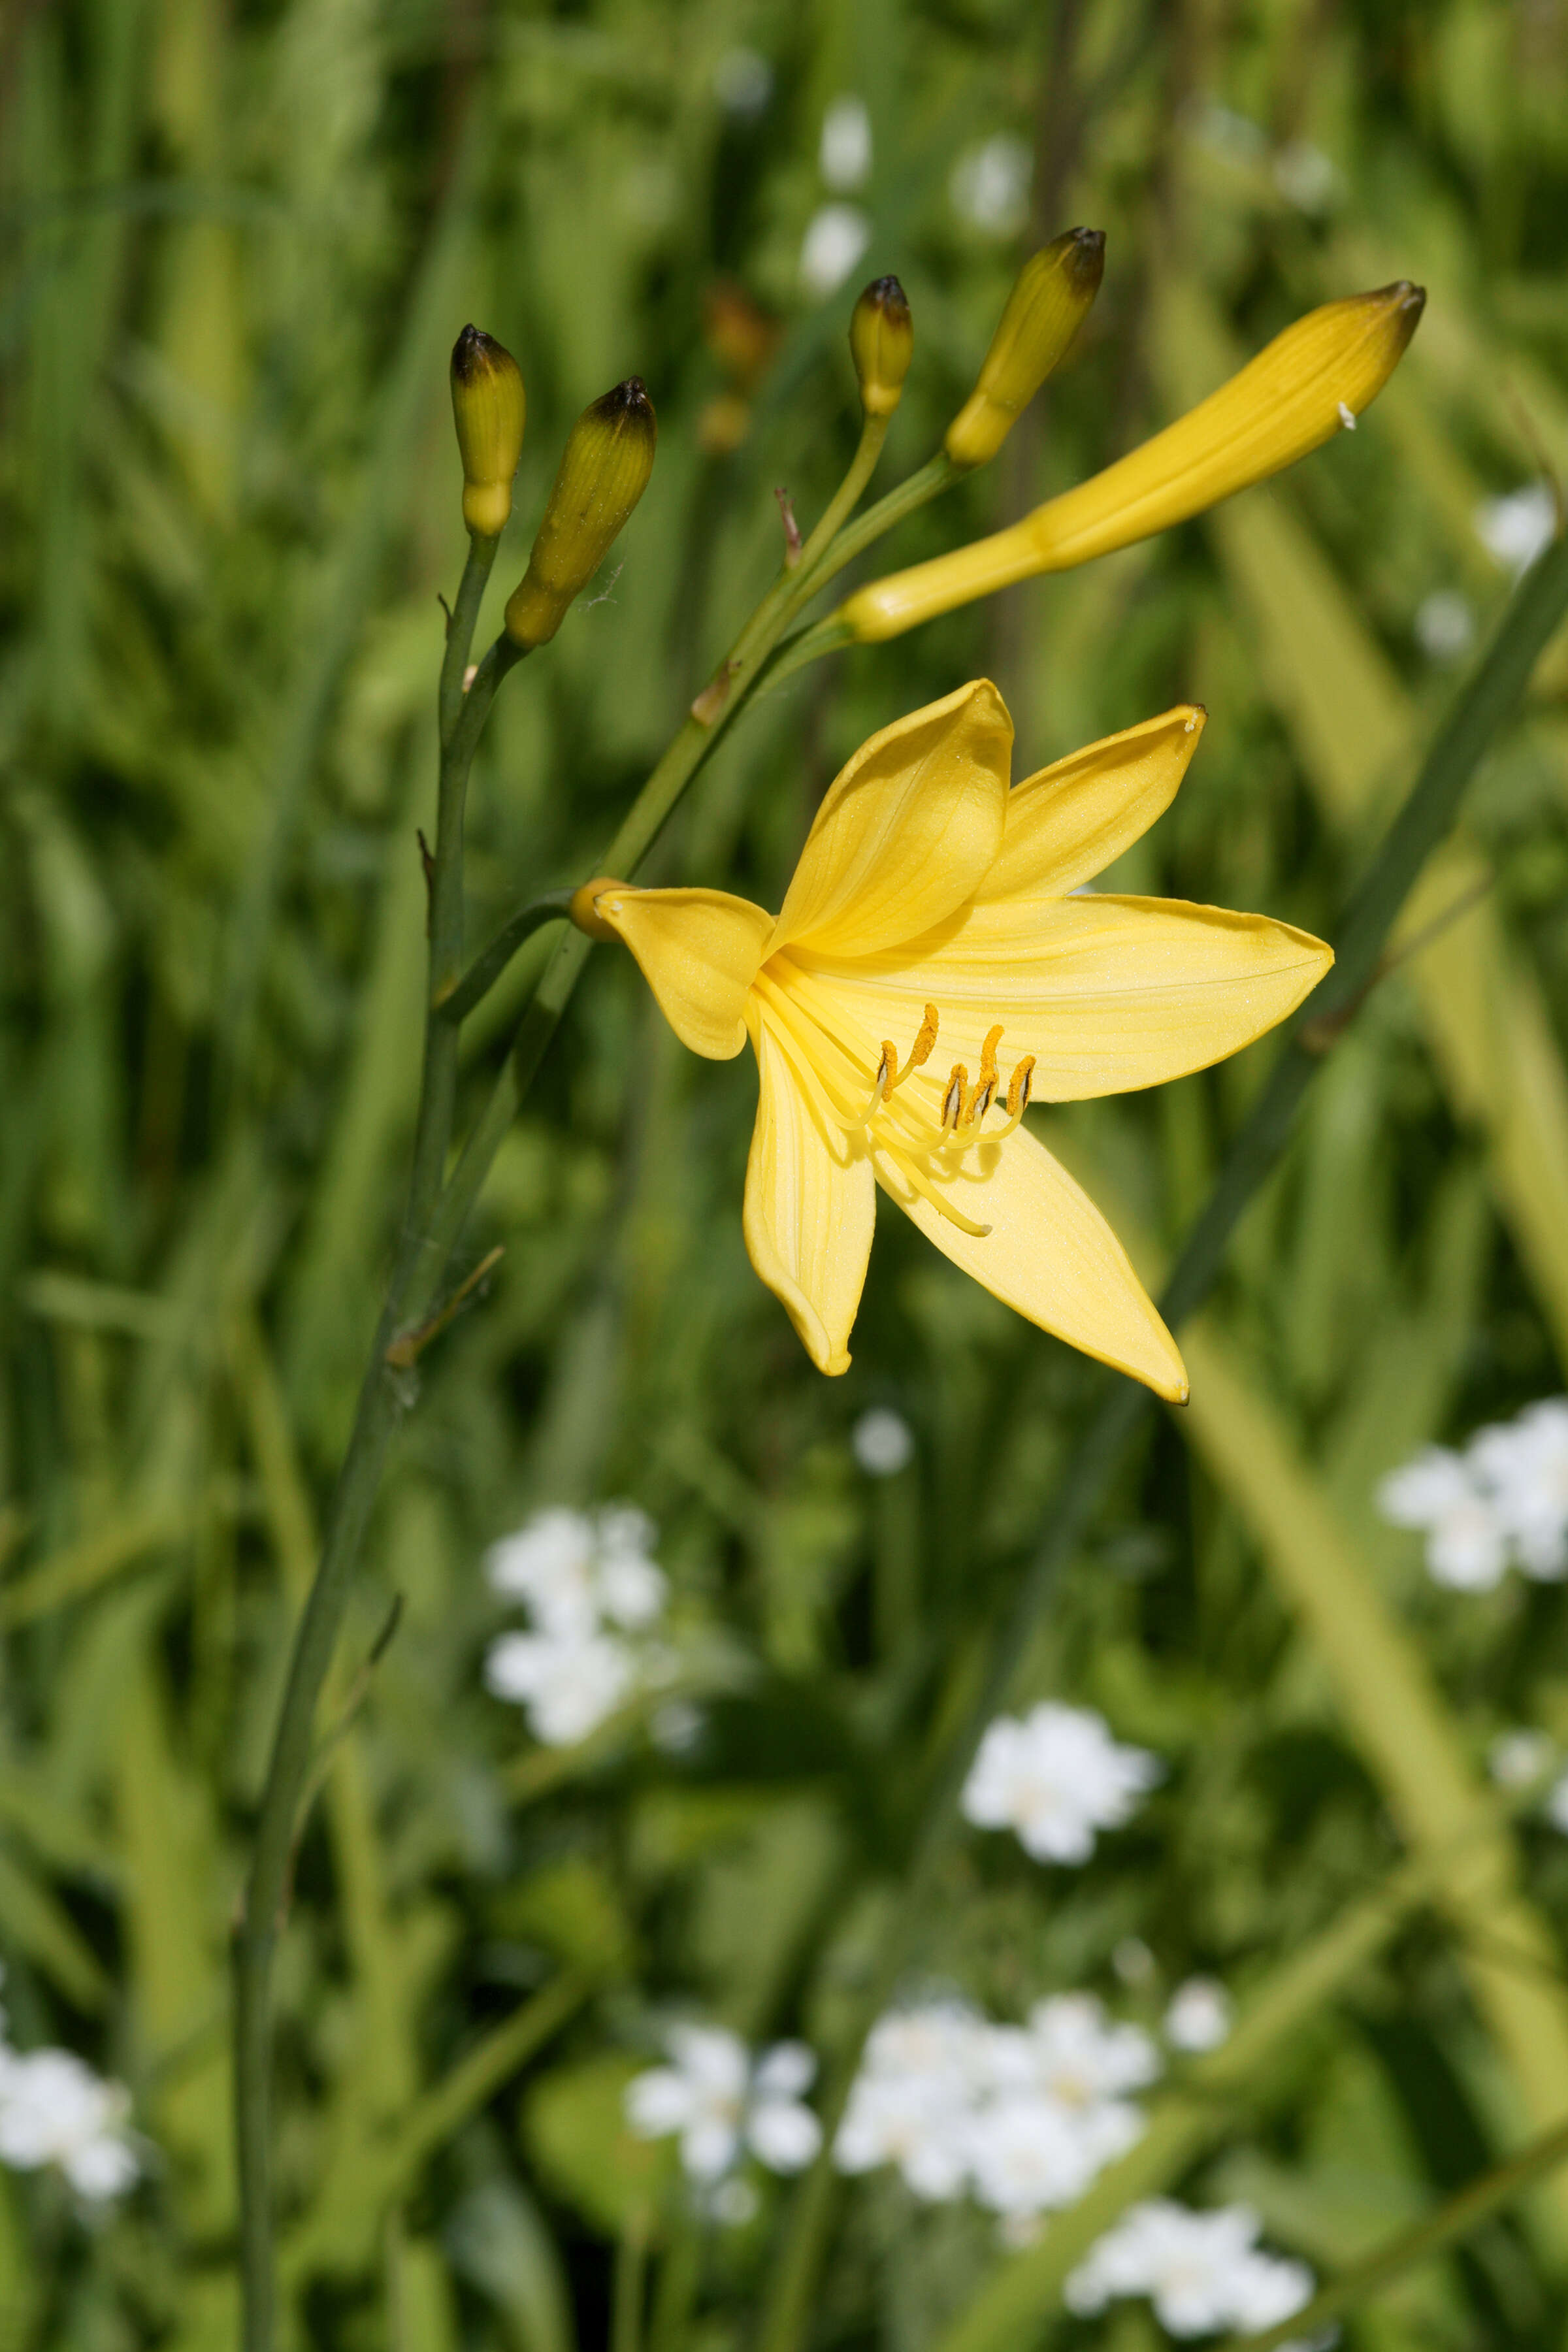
pixel 1021 2117
pixel 1499 1503
pixel 1202 2272
pixel 724 2102
pixel 55 2110
pixel 837 234
pixel 1055 1778
pixel 596 1594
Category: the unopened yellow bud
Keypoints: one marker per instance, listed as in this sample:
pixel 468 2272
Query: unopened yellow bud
pixel 585 914
pixel 882 344
pixel 1048 304
pixel 489 406
pixel 1308 384
pixel 604 472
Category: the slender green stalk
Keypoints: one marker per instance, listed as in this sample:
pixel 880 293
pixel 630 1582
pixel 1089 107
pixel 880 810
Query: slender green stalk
pixel 432 1226
pixel 1485 705
pixel 357 1480
pixel 1453 2221
pixel 630 2285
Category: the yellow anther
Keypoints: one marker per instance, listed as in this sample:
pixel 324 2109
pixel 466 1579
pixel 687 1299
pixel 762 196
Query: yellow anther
pixel 1020 1087
pixel 986 1083
pixel 953 1100
pixel 887 1071
pixel 920 1050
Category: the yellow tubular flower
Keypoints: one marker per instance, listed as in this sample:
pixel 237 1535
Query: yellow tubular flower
pixel 1048 304
pixel 1308 384
pixel 929 932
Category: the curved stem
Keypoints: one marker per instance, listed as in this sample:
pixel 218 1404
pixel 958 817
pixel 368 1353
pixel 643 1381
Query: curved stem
pixel 487 968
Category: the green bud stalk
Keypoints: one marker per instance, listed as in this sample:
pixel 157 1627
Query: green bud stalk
pixel 882 344
pixel 1045 310
pixel 604 472
pixel 488 408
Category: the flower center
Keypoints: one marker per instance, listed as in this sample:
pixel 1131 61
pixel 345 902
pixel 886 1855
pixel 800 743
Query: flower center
pixel 964 1107
pixel 929 1155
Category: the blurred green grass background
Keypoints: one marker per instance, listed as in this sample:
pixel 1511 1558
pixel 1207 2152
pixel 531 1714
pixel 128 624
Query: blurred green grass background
pixel 240 242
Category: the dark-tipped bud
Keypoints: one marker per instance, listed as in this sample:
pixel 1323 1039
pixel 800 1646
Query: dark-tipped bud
pixel 1045 310
pixel 489 407
pixel 604 472
pixel 882 343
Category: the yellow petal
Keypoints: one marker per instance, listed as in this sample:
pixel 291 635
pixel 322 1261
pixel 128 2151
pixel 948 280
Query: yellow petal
pixel 907 830
pixel 1049 1254
pixel 699 951
pixel 1305 386
pixel 1106 992
pixel 1068 823
pixel 809 1210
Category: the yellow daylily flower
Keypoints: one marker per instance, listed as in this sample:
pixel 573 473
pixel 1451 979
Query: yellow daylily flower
pixel 935 908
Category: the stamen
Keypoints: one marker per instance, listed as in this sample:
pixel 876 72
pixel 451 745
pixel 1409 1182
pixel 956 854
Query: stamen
pixel 954 1099
pixel 1021 1087
pixel 887 1068
pixel 920 1050
pixel 985 1085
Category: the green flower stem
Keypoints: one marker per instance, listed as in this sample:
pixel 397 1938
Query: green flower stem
pixel 1484 705
pixel 487 968
pixel 432 1228
pixel 1453 2221
pixel 357 1480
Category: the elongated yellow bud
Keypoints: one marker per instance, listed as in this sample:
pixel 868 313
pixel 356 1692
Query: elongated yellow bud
pixel 1310 382
pixel 882 344
pixel 604 472
pixel 489 407
pixel 1048 304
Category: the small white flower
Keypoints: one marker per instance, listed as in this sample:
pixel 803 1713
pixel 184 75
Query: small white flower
pixel 1523 1466
pixel 576 1570
pixel 1445 626
pixel 907 2120
pixel 743 82
pixel 844 154
pixel 883 1443
pixel 721 2105
pixel 1199 2016
pixel 568 1685
pixel 1080 2058
pixel 1202 2270
pixel 1029 2156
pixel 1518 1759
pixel 836 238
pixel 989 186
pixel 55 2110
pixel 1466 1543
pixel 1518 527
pixel 1305 177
pixel 1055 1778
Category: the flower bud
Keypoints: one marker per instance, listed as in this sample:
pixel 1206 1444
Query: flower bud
pixel 882 344
pixel 1310 382
pixel 488 405
pixel 604 472
pixel 1045 310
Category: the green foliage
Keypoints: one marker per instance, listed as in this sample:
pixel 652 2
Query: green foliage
pixel 239 244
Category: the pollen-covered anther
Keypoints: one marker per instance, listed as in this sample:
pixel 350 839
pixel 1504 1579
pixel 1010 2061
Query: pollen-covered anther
pixel 985 1092
pixel 954 1098
pixel 889 1074
pixel 1020 1086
